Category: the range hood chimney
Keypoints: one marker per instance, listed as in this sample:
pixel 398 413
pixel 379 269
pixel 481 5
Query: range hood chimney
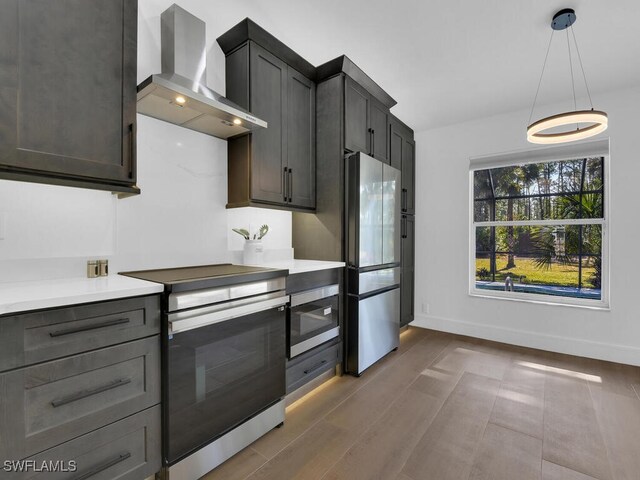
pixel 179 94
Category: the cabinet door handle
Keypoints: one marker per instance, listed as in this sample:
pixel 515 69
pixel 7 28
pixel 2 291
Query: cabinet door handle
pixel 404 199
pixel 404 227
pixel 132 149
pixel 103 466
pixel 285 183
pixel 290 184
pixel 85 328
pixel 373 142
pixel 315 367
pixel 74 397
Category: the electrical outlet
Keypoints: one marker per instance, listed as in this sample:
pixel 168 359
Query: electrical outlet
pixel 426 308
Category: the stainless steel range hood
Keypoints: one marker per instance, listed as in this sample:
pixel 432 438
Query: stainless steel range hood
pixel 179 94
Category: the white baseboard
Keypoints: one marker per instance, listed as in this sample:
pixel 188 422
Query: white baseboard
pixel 571 346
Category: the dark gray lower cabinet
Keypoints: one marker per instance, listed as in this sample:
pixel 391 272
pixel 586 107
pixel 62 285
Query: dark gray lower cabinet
pixel 407 279
pixel 125 450
pixel 68 92
pixel 309 365
pixel 82 383
pixel 50 403
pixel 40 336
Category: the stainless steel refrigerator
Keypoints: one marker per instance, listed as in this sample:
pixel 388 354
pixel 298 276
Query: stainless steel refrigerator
pixel 372 235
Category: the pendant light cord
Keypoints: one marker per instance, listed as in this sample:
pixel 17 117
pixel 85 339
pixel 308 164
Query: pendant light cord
pixel 544 65
pixel 581 67
pixel 573 82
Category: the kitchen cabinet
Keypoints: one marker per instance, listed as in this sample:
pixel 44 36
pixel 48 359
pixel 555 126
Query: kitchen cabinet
pixel 409 176
pixel 68 93
pixel 311 364
pixel 314 313
pixel 402 156
pixel 272 167
pixel 407 276
pixel 82 383
pixel 366 122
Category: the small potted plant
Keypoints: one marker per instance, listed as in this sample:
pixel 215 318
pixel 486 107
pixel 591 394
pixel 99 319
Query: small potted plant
pixel 253 248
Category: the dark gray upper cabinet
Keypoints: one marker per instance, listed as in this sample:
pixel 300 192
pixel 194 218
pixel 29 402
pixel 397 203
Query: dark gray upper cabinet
pixel 396 142
pixel 268 100
pixel 366 122
pixel 301 140
pixel 272 167
pixel 357 100
pixel 402 156
pixel 379 125
pixel 407 280
pixel 68 93
pixel 409 176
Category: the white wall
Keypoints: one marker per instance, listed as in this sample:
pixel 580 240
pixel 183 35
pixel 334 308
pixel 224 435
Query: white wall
pixel 442 258
pixel 180 217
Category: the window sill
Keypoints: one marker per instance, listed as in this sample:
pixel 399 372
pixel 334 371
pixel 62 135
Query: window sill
pixel 600 305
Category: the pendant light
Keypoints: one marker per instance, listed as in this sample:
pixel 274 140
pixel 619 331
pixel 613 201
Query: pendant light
pixel 595 120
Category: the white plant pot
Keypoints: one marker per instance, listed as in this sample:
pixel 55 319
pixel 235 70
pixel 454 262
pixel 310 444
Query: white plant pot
pixel 253 252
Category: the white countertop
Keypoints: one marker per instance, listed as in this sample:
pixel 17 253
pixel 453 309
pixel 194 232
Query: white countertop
pixel 33 295
pixel 301 266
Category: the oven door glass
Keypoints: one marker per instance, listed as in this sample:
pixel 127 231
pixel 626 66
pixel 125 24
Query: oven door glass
pixel 313 323
pixel 221 375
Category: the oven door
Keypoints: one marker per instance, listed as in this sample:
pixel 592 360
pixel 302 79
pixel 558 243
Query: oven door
pixel 220 372
pixel 313 319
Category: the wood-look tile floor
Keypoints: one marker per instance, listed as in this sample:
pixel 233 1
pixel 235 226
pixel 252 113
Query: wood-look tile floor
pixel 451 407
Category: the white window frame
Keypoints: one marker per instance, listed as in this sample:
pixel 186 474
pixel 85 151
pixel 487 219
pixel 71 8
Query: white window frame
pixel 598 148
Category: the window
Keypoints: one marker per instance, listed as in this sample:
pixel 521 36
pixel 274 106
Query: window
pixel 539 231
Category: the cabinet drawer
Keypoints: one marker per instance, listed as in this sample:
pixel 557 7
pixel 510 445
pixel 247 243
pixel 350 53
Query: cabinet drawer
pixel 125 450
pixel 307 367
pixel 47 404
pixel 36 337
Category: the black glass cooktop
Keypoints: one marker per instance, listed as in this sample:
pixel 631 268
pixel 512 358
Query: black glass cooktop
pixel 204 276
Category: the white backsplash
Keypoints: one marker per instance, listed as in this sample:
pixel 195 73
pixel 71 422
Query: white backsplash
pixel 179 219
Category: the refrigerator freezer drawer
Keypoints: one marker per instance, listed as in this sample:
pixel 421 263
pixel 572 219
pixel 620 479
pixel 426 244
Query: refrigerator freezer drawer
pixel 378 327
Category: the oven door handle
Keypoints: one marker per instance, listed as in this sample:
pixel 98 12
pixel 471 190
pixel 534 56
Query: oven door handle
pixel 198 321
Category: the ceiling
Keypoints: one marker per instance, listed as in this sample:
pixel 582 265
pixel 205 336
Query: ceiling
pixel 445 61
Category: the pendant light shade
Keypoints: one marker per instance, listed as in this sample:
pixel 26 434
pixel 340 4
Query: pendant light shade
pixel 597 120
pixel 584 123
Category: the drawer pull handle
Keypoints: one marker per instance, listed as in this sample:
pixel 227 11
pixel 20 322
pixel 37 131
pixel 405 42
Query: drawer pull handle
pixel 315 367
pixel 69 331
pixel 103 466
pixel 87 393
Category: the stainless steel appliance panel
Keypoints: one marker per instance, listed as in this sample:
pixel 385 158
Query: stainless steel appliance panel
pixel 370 211
pixel 197 298
pixel 378 327
pixel 390 214
pixel 313 318
pixel 212 455
pixel 378 279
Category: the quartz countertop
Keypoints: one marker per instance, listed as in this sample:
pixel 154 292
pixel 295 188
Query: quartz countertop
pixel 301 266
pixel 34 295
